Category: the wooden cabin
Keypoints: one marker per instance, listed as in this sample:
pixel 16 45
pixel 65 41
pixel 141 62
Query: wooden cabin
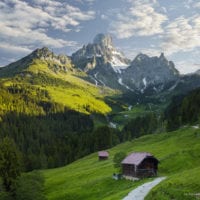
pixel 140 165
pixel 103 155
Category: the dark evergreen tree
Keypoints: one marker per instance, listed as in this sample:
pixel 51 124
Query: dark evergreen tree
pixel 10 164
pixel 141 125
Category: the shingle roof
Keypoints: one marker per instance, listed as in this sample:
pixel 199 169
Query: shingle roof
pixel 136 158
pixel 103 153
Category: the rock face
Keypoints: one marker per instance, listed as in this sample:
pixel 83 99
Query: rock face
pixel 145 72
pixel 57 63
pixel 100 52
pixel 45 54
pixel 107 66
pixel 102 61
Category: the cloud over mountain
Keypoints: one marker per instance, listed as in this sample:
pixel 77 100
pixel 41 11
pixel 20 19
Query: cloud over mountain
pixel 140 19
pixel 27 24
pixel 183 34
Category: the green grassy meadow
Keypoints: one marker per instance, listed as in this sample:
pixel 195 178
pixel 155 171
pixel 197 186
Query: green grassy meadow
pixel 88 178
pixel 64 88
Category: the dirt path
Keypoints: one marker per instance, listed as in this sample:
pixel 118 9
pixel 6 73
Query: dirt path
pixel 140 192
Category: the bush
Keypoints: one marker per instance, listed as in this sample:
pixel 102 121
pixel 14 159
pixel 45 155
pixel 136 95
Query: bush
pixel 30 187
pixel 118 157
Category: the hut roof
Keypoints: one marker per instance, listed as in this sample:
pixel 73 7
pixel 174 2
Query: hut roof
pixel 103 154
pixel 136 158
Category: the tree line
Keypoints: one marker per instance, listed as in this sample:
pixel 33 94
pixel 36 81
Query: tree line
pixel 183 110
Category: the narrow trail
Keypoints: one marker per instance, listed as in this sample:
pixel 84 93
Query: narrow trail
pixel 140 192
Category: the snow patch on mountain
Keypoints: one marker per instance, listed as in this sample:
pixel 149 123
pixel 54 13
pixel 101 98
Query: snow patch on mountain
pixel 114 52
pixel 102 83
pixel 155 89
pixel 145 82
pixel 117 64
pixel 121 83
pixel 174 86
pixel 96 82
pixel 95 75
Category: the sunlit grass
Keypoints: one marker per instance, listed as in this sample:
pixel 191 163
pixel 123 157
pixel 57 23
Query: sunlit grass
pixel 88 178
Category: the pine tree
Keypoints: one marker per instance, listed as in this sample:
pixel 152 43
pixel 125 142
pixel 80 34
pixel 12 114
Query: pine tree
pixel 10 167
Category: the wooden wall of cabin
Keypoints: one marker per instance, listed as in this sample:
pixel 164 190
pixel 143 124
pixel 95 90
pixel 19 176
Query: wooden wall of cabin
pixel 149 163
pixel 128 170
pixel 103 158
pixel 147 168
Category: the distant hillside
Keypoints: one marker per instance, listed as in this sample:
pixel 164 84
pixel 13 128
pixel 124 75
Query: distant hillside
pixel 47 108
pixel 183 109
pixel 56 75
pixel 89 179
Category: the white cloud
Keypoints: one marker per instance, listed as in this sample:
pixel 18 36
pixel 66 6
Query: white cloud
pixel 187 67
pixel 76 14
pixel 29 24
pixel 9 48
pixel 140 19
pixel 90 2
pixel 196 5
pixel 182 35
pixel 103 17
pixel 189 4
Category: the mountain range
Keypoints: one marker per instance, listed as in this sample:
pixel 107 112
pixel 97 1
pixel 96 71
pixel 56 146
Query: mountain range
pixel 102 67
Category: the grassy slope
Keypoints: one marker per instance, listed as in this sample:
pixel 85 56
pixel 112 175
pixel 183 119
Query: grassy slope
pixel 78 94
pixel 87 178
pixel 63 87
pixel 70 89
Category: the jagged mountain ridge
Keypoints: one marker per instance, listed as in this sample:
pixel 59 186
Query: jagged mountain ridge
pixel 55 63
pixel 107 66
pixel 101 51
pixel 99 60
pixel 145 72
pixel 103 65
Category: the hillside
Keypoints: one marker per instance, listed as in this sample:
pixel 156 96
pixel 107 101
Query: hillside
pixel 69 107
pixel 47 107
pixel 56 75
pixel 88 178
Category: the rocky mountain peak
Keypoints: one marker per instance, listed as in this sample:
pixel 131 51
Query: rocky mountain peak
pixel 148 71
pixel 44 52
pixel 100 53
pixel 162 56
pixel 141 57
pixel 103 40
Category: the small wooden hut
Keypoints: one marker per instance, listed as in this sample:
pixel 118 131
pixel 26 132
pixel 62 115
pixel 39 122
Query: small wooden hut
pixel 140 165
pixel 103 155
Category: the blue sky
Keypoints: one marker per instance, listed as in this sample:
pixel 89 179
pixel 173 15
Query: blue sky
pixel 147 26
